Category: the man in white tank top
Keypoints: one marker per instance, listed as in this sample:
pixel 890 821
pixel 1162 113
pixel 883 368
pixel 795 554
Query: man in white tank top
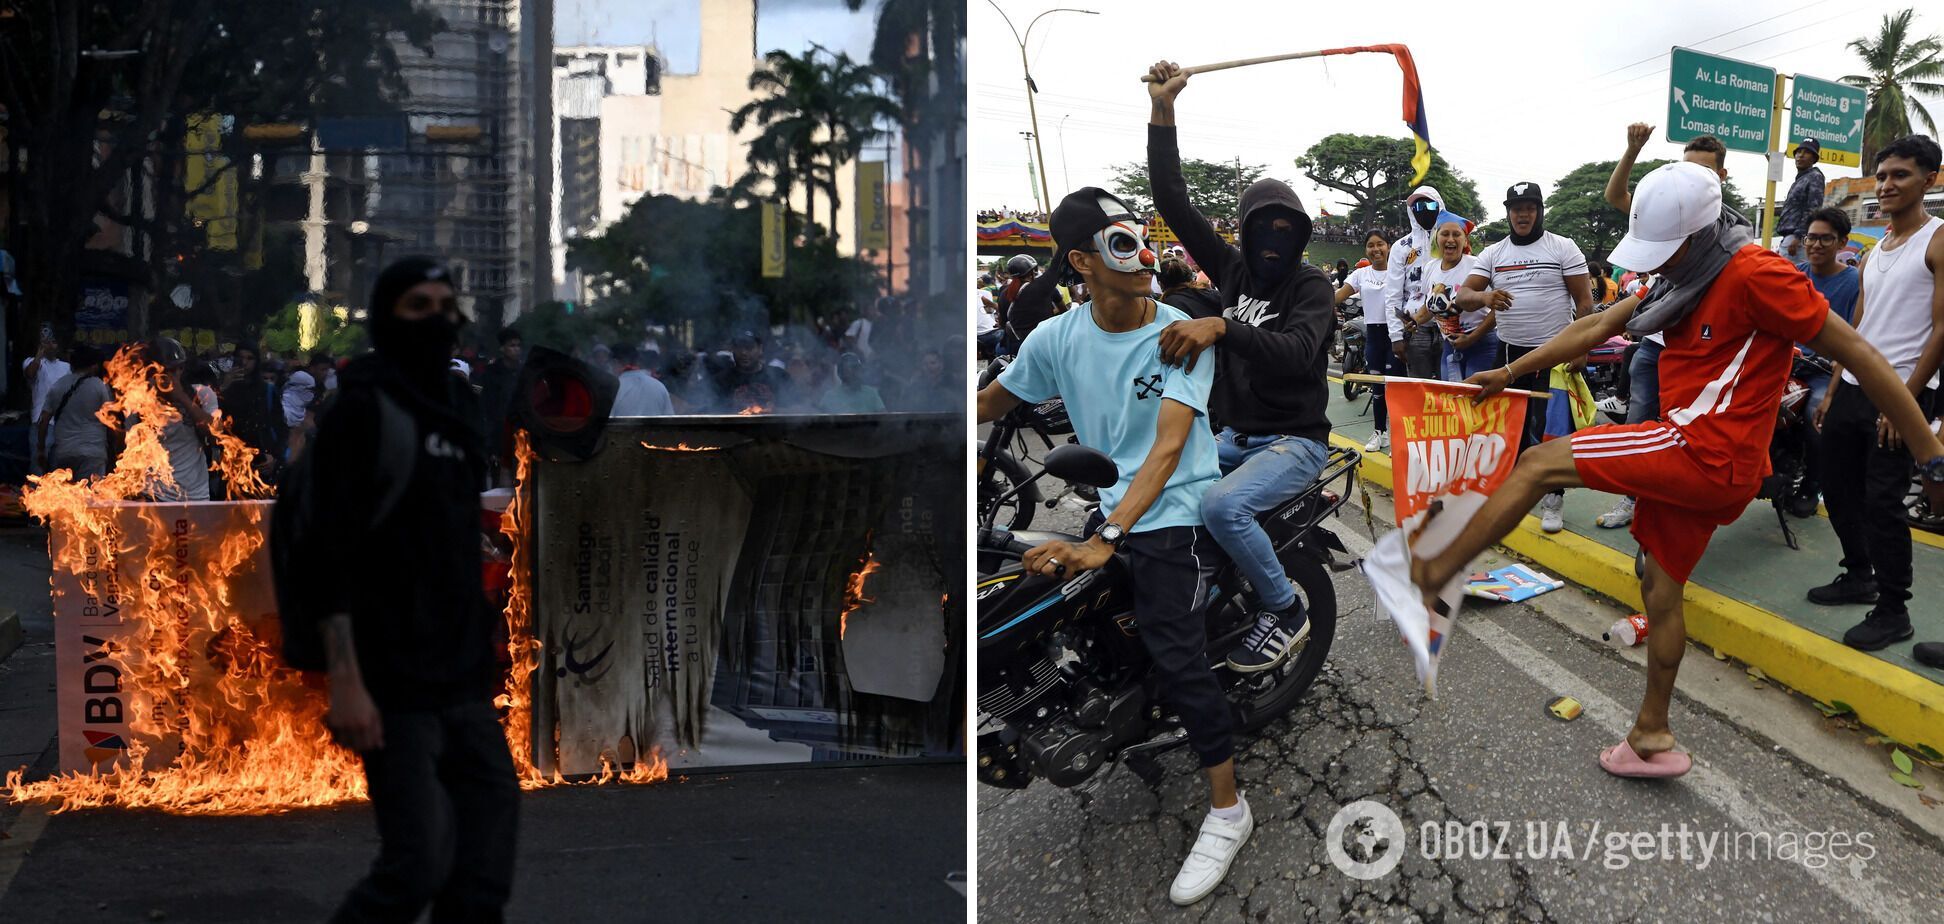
pixel 1866 466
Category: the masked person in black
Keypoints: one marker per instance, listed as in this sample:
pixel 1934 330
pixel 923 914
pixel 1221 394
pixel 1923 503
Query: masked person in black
pixel 1271 394
pixel 396 468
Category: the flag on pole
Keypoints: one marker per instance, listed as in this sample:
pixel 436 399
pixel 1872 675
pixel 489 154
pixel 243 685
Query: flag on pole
pixel 775 229
pixel 1413 103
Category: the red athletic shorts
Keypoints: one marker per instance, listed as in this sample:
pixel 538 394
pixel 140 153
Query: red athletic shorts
pixel 1680 500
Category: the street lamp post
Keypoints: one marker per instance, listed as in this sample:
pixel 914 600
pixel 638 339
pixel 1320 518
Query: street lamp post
pixel 1026 67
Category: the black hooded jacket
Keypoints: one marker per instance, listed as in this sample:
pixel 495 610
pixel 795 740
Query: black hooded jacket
pixel 411 579
pixel 1270 373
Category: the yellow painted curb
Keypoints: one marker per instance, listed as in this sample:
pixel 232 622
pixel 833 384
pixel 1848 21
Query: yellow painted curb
pixel 1888 698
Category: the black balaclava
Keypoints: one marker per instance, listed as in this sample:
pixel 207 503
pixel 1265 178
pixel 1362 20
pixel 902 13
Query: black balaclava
pixel 1426 217
pixel 1259 234
pixel 422 348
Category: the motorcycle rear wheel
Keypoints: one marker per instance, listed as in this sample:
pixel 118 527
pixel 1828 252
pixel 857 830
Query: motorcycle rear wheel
pixel 1262 698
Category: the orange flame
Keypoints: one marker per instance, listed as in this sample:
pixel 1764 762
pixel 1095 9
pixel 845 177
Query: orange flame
pixel 854 587
pixel 251 739
pixel 752 410
pixel 681 447
pixel 249 735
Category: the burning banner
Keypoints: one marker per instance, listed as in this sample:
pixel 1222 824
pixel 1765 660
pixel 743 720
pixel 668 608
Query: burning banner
pixel 1448 455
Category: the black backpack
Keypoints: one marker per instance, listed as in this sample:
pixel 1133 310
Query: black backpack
pixel 297 564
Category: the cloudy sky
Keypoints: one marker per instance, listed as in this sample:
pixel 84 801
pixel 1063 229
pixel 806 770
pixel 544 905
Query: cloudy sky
pixel 1514 89
pixel 674 24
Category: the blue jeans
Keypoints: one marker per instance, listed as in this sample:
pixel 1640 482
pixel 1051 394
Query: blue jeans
pixel 1643 383
pixel 1379 360
pixel 1459 365
pixel 1258 473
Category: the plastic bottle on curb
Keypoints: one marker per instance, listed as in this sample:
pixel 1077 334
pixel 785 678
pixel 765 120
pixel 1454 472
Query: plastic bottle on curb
pixel 1627 632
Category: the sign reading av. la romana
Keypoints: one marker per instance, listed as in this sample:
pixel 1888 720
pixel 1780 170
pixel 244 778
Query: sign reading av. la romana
pixel 1729 99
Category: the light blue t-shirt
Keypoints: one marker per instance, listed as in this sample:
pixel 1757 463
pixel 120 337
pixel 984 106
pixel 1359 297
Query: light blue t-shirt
pixel 1113 386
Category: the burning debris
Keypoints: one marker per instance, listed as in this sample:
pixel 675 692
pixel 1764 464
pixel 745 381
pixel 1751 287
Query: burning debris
pixel 752 411
pixel 217 724
pixel 682 447
pixel 854 587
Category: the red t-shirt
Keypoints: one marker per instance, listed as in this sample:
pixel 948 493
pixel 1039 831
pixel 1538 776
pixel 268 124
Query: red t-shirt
pixel 1722 373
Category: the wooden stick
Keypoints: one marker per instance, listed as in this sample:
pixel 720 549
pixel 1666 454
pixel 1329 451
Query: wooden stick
pixel 1245 62
pixel 1381 379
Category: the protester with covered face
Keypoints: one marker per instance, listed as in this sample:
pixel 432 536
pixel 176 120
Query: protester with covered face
pixel 1104 359
pixel 182 437
pixel 1732 313
pixel 1539 284
pixel 1271 394
pixel 397 467
pixel 1415 348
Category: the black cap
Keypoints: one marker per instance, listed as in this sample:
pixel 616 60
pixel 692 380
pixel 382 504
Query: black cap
pixel 399 277
pixel 1525 191
pixel 1083 212
pixel 1811 145
pixel 745 338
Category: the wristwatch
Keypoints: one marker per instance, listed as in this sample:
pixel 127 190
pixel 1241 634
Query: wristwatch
pixel 1933 470
pixel 1112 534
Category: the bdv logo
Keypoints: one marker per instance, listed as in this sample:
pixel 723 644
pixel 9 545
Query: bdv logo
pixel 438 447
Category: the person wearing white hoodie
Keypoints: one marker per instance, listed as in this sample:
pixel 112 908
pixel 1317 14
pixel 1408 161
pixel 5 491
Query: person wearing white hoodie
pixel 1404 290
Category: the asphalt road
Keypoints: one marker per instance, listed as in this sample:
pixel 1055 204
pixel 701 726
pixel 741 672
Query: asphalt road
pixel 1487 759
pixel 863 843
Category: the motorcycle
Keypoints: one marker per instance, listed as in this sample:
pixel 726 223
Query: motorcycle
pixel 1064 680
pixel 1005 489
pixel 1350 345
pixel 1789 446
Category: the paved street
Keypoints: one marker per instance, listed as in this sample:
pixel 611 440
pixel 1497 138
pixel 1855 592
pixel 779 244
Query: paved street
pixel 1488 753
pixel 873 843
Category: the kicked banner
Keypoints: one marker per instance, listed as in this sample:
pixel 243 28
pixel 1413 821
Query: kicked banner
pixel 1448 454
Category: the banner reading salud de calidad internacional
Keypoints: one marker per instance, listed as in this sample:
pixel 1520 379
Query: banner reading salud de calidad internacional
pixel 1448 454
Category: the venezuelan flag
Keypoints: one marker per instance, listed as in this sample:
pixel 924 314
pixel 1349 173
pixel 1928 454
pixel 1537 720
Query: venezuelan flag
pixel 1413 103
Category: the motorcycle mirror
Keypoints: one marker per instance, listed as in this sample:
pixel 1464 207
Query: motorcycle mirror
pixel 1077 464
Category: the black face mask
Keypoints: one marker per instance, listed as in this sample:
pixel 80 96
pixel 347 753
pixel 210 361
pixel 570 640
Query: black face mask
pixel 1260 234
pixel 420 346
pixel 1538 228
pixel 1425 217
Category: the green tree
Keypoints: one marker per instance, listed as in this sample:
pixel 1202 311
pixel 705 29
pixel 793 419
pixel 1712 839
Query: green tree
pixel 1900 67
pixel 1577 208
pixel 852 114
pixel 336 336
pixel 1215 187
pixel 1490 233
pixel 1374 171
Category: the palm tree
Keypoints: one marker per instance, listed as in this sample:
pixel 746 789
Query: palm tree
pixel 1900 68
pixel 852 113
pixel 787 148
pixel 918 44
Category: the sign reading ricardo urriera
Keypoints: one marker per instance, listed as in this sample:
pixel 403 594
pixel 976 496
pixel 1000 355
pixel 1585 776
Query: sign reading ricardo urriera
pixel 1729 99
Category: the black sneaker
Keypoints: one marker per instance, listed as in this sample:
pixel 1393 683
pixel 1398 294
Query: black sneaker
pixel 1929 654
pixel 1269 644
pixel 1878 630
pixel 1847 588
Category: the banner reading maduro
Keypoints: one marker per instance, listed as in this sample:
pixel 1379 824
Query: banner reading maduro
pixel 1448 454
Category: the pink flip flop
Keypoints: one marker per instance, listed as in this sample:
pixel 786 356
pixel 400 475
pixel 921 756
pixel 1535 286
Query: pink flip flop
pixel 1620 760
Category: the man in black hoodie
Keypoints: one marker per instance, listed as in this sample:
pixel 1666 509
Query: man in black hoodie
pixel 1271 395
pixel 397 467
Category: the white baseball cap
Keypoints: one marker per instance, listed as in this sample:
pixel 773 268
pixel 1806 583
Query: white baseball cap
pixel 1672 202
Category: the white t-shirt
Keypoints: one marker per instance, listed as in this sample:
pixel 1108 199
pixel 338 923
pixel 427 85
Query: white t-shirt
pixel 1368 283
pixel 51 371
pixel 641 395
pixel 1535 274
pixel 982 312
pixel 1896 303
pixel 1441 294
pixel 860 334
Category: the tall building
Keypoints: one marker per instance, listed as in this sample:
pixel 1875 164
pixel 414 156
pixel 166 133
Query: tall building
pixel 472 192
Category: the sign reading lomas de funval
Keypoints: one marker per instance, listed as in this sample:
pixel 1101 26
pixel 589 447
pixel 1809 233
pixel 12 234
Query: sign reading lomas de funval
pixel 1711 95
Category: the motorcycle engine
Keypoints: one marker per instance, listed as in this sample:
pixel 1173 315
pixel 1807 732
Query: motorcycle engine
pixel 1041 717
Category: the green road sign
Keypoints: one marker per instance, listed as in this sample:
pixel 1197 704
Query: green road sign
pixel 1831 113
pixel 1729 99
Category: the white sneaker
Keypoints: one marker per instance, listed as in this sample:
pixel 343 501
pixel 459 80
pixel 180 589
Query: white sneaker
pixel 1620 515
pixel 1208 860
pixel 1379 442
pixel 1552 513
pixel 1613 406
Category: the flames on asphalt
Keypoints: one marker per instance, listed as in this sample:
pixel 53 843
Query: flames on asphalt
pixel 246 732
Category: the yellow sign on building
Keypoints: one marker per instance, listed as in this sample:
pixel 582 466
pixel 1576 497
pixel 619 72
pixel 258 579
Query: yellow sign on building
pixel 873 211
pixel 775 229
pixel 207 177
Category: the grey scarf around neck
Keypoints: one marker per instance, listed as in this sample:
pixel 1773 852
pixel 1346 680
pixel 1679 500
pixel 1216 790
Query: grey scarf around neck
pixel 1679 290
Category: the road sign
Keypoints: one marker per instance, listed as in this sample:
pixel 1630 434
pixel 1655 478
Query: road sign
pixel 1831 113
pixel 1729 99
